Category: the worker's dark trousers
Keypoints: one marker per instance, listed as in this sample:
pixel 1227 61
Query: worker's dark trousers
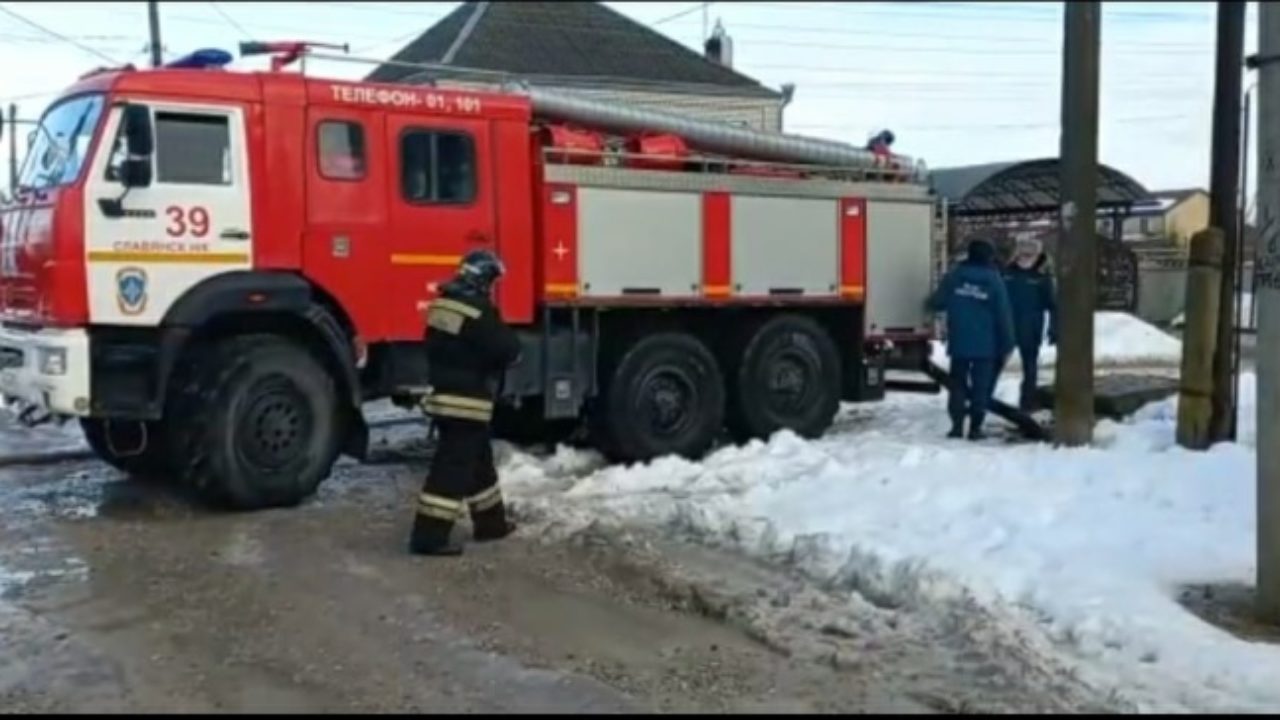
pixel 972 383
pixel 462 477
pixel 1030 354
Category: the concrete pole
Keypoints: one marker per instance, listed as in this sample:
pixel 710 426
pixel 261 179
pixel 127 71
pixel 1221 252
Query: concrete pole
pixel 1268 304
pixel 13 148
pixel 153 23
pixel 1078 243
pixel 1195 398
pixel 1224 187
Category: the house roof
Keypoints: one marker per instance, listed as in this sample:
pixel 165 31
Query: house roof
pixel 1026 187
pixel 1170 198
pixel 582 42
pixel 1178 195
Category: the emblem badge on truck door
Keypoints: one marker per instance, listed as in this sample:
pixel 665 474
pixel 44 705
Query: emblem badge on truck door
pixel 131 290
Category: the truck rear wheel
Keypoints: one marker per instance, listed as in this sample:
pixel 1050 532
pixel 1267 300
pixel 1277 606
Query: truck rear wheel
pixel 260 425
pixel 788 377
pixel 134 448
pixel 665 397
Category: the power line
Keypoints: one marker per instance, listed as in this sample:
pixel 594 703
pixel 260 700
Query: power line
pixel 1002 12
pixel 936 36
pixel 1050 75
pixel 230 20
pixel 28 96
pixel 291 30
pixel 393 41
pixel 993 126
pixel 58 35
pixel 952 50
pixel 676 16
pixel 954 86
pixel 376 8
pixel 1128 48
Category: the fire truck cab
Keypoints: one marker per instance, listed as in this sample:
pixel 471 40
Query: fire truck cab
pixel 213 271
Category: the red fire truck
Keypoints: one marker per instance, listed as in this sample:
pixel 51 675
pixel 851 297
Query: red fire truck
pixel 213 271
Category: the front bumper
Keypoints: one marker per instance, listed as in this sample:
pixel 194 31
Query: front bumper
pixel 45 372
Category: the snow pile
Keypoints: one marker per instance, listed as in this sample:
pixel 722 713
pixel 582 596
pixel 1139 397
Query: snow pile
pixel 1119 340
pixel 1090 546
pixel 16 439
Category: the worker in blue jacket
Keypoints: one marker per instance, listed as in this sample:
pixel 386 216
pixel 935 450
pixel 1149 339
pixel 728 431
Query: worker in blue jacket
pixel 1031 295
pixel 979 334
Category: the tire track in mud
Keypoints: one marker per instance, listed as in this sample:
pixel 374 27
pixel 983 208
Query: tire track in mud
pixel 954 657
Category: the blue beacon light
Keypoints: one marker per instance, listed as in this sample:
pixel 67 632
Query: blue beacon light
pixel 201 59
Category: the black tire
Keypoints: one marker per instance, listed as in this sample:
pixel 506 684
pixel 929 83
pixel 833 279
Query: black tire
pixel 788 377
pixel 120 451
pixel 665 396
pixel 526 425
pixel 259 423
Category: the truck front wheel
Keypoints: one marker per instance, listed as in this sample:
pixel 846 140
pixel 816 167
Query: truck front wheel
pixel 665 397
pixel 260 424
pixel 133 447
pixel 788 377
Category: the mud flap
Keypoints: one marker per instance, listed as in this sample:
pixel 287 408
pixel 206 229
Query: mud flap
pixel 356 443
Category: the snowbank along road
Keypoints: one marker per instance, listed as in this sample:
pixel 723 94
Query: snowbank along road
pixel 1080 556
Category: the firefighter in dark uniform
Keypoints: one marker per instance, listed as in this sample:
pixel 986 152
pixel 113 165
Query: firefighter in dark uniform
pixel 468 349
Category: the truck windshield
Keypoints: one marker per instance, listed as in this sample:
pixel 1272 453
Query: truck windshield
pixel 59 144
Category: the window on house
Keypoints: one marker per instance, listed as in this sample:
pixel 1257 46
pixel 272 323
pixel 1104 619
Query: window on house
pixel 1132 226
pixel 437 167
pixel 340 146
pixel 193 149
pixel 1153 226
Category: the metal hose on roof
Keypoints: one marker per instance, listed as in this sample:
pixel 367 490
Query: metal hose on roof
pixel 706 136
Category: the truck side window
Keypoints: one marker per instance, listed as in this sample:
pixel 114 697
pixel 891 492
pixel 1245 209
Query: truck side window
pixel 193 149
pixel 437 167
pixel 340 145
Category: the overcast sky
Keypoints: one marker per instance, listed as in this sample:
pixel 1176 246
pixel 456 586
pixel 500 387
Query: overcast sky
pixel 957 82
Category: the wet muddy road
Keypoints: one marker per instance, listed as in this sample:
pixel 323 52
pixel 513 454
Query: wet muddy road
pixel 119 595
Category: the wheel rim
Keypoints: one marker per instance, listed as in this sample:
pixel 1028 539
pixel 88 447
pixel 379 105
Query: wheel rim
pixel 274 428
pixel 792 377
pixel 666 402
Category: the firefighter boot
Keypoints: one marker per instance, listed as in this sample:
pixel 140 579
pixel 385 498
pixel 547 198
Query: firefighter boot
pixel 491 524
pixel 489 516
pixel 975 432
pixel 433 524
pixel 431 536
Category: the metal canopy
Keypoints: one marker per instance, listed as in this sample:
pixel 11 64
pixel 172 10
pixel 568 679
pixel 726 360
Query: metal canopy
pixel 1025 188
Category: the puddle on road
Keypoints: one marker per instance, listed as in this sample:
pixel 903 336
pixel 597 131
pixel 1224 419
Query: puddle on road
pixel 31 556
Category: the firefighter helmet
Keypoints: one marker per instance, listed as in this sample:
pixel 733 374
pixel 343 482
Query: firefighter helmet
pixel 481 269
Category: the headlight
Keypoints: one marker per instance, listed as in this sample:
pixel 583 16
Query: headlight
pixel 51 361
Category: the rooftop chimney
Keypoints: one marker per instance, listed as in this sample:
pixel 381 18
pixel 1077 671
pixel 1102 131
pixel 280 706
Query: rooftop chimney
pixel 719 47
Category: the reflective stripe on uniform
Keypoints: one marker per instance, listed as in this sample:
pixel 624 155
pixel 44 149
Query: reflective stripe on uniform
pixel 442 508
pixel 457 406
pixel 449 411
pixel 460 308
pixel 448 315
pixel 485 499
pixel 445 320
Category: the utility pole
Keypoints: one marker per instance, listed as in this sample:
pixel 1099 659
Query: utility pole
pixel 1267 300
pixel 153 19
pixel 1077 247
pixel 13 148
pixel 1224 181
